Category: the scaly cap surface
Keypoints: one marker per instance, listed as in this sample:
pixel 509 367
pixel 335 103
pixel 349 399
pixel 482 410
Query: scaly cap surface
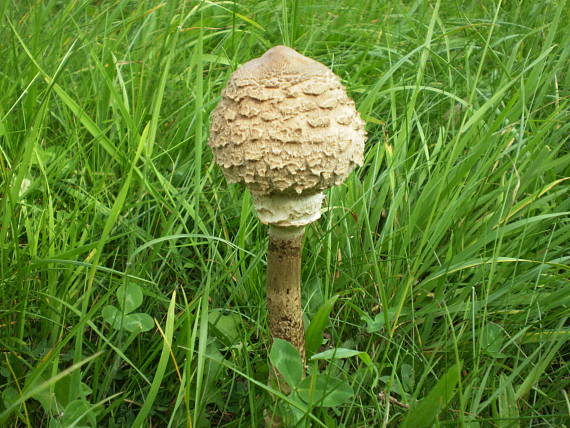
pixel 285 126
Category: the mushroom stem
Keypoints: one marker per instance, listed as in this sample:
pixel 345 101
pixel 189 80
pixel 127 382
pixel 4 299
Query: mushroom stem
pixel 284 285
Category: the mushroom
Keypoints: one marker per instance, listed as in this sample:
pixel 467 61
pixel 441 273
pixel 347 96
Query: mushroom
pixel 287 129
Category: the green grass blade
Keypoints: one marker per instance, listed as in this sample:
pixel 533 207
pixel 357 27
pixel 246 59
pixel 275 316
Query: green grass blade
pixel 160 368
pixel 426 411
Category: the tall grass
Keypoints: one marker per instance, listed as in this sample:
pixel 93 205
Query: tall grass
pixel 448 248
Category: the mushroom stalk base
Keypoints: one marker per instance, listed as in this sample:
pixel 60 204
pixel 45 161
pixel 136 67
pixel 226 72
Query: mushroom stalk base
pixel 284 285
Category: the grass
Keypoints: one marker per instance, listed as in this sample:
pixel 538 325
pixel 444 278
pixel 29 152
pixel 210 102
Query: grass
pixel 448 250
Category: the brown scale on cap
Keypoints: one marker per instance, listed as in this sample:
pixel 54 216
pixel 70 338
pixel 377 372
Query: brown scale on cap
pixel 285 125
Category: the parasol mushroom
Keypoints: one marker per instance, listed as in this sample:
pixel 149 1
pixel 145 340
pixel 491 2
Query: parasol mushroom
pixel 287 129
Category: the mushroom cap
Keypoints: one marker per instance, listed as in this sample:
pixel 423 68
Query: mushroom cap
pixel 285 125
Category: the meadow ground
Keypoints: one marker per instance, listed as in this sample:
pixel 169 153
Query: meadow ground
pixel 132 276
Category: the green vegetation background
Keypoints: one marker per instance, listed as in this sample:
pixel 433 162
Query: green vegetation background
pixel 132 276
